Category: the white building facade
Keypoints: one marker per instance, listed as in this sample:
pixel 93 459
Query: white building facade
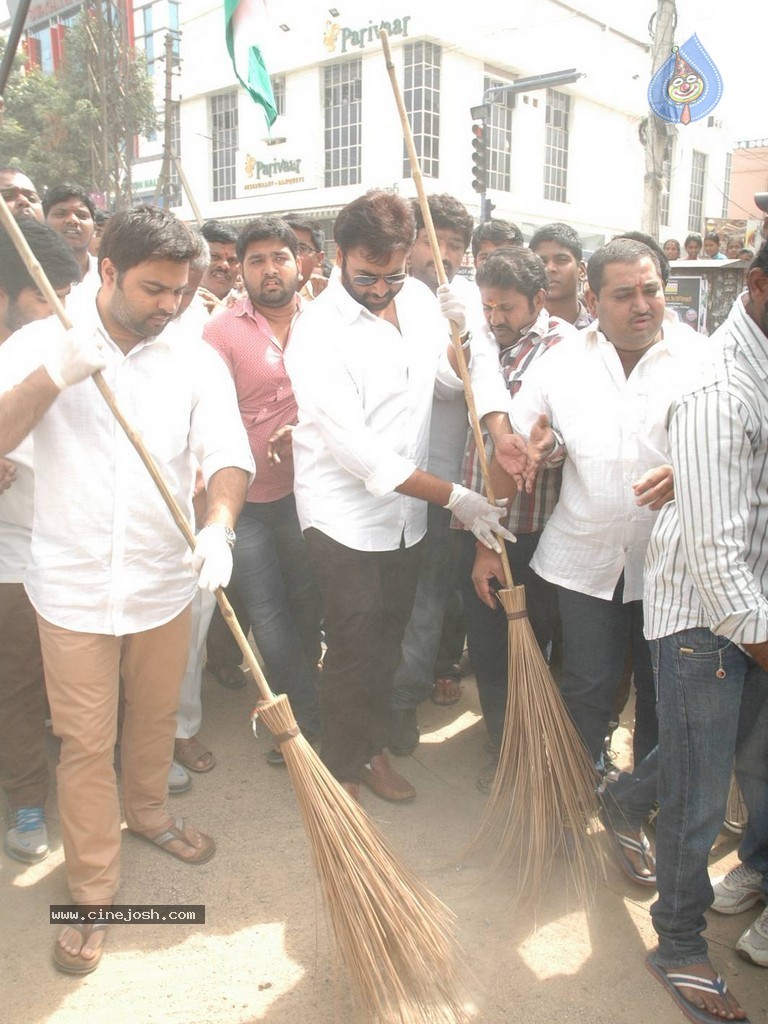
pixel 573 153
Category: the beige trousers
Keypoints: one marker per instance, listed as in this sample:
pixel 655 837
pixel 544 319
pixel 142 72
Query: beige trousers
pixel 82 673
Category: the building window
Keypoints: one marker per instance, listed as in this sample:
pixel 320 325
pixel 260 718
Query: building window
pixel 499 134
pixel 278 91
pixel 556 153
pixel 666 182
pixel 727 185
pixel 149 38
pixel 421 93
pixel 696 202
pixel 223 113
pixel 343 125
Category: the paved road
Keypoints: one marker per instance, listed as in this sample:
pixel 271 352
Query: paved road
pixel 265 954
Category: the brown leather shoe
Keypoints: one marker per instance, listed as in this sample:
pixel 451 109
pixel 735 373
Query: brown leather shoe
pixel 353 789
pixel 382 779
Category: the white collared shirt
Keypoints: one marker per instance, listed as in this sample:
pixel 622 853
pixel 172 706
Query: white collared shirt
pixel 106 556
pixel 707 562
pixel 615 430
pixel 364 392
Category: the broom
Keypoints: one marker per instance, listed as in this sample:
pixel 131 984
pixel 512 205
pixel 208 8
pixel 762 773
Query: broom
pixel 543 794
pixel 394 935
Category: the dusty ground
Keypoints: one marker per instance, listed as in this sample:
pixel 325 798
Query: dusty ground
pixel 265 954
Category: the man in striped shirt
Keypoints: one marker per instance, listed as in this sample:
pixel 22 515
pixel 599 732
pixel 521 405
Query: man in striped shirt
pixel 707 620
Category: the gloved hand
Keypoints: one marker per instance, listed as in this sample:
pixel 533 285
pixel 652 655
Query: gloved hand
pixel 212 557
pixel 452 307
pixel 480 516
pixel 76 356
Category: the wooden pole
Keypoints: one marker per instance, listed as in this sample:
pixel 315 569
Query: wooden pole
pixel 426 214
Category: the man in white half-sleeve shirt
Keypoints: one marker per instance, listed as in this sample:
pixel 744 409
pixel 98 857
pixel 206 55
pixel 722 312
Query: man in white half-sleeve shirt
pixel 365 359
pixel 706 613
pixel 605 397
pixel 107 573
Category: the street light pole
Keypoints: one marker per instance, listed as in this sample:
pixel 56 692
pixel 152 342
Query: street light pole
pixel 482 113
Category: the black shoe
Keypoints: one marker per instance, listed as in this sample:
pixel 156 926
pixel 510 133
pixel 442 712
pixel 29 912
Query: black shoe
pixel 403 732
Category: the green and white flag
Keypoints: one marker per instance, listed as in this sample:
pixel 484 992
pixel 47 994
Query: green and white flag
pixel 246 22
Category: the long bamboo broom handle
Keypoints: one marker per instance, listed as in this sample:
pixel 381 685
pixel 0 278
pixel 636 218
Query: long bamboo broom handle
pixel 442 279
pixel 38 276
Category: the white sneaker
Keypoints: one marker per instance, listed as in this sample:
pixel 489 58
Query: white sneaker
pixel 753 944
pixel 179 779
pixel 739 890
pixel 27 838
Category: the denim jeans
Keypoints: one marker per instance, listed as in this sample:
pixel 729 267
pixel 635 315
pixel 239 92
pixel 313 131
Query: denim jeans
pixel 488 630
pixel 412 681
pixel 595 637
pixel 703 722
pixel 273 577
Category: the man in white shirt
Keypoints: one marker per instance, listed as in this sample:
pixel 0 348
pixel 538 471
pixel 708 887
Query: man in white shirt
pixel 706 605
pixel 365 359
pixel 604 397
pixel 23 755
pixel 107 573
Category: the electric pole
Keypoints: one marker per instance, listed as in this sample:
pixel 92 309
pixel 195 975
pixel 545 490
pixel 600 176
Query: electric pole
pixel 658 133
pixel 163 188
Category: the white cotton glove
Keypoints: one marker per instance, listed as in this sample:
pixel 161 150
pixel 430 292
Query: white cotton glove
pixel 452 307
pixel 76 356
pixel 212 558
pixel 480 516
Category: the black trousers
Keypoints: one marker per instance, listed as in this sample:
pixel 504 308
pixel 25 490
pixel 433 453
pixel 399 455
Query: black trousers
pixel 367 600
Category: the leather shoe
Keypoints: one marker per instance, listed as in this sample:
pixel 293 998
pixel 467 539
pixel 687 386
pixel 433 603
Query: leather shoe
pixel 403 735
pixel 382 779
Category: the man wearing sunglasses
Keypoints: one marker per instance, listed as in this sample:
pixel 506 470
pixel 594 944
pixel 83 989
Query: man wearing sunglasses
pixel 20 194
pixel 365 360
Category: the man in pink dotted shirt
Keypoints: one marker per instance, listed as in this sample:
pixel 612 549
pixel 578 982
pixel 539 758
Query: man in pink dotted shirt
pixel 271 569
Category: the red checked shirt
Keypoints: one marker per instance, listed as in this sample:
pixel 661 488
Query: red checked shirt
pixel 528 512
pixel 254 357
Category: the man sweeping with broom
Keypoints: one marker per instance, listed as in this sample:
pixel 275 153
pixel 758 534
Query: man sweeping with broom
pixel 365 360
pixel 107 574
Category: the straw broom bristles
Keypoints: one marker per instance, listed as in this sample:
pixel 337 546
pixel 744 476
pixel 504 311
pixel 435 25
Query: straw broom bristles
pixel 395 936
pixel 393 933
pixel 543 796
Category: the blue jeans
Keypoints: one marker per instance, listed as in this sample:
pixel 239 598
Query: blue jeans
pixel 412 681
pixel 595 637
pixel 273 577
pixel 703 722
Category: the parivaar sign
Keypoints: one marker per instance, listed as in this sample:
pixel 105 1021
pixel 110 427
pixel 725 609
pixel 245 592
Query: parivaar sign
pixel 346 38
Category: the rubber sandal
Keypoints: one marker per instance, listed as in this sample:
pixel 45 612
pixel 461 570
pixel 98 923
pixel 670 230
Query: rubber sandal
pixel 73 963
pixel 621 844
pixel 673 981
pixel 446 692
pixel 176 831
pixel 194 755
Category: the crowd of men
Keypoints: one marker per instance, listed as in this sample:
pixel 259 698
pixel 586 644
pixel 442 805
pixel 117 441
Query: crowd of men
pixel 311 422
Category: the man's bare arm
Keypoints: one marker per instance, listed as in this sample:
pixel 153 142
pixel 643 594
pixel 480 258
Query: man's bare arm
pixel 226 496
pixel 22 408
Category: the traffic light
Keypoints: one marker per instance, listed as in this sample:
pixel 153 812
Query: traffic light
pixel 479 158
